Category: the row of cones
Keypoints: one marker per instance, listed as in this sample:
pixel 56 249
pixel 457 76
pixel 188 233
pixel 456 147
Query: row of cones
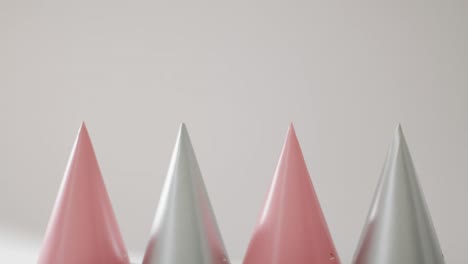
pixel 291 228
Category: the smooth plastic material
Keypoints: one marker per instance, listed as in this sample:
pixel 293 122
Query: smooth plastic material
pixel 399 228
pixel 292 228
pixel 185 229
pixel 83 228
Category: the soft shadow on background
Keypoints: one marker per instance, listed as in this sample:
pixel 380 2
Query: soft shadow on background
pixel 237 73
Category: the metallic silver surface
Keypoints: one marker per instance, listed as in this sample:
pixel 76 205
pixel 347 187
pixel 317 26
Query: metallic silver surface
pixel 185 229
pixel 399 229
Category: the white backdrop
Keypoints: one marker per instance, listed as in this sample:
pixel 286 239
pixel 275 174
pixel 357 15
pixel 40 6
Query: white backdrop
pixel 237 72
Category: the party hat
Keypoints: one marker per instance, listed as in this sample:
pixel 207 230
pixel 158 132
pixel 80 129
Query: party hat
pixel 399 228
pixel 83 228
pixel 292 228
pixel 184 229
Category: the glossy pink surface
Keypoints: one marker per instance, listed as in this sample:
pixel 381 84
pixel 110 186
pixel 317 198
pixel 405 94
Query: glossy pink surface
pixel 292 228
pixel 83 228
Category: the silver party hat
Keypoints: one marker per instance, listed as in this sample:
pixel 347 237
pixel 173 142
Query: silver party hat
pixel 399 229
pixel 185 229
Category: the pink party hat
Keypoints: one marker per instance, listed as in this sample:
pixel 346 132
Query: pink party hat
pixel 292 228
pixel 83 228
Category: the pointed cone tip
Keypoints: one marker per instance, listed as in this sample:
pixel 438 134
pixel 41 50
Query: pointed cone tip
pixel 399 135
pixel 83 126
pixel 291 135
pixel 291 128
pixel 183 132
pixel 83 130
pixel 83 133
pixel 399 129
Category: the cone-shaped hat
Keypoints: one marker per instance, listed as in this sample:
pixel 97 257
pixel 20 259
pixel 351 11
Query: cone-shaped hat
pixel 292 228
pixel 185 229
pixel 399 228
pixel 83 228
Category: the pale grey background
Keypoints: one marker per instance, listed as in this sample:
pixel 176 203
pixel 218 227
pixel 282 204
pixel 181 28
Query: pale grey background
pixel 237 72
